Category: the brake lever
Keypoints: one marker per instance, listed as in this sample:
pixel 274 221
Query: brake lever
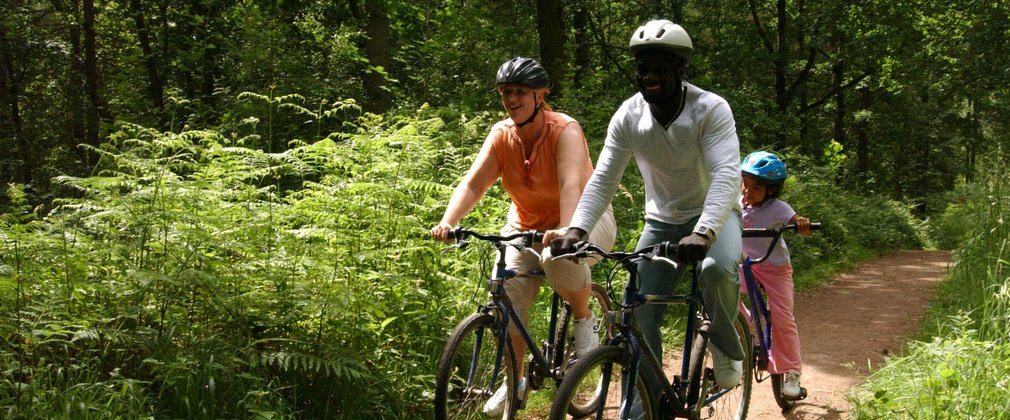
pixel 461 244
pixel 578 256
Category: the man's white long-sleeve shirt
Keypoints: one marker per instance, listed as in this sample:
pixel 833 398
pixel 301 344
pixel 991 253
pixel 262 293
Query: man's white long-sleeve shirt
pixel 690 168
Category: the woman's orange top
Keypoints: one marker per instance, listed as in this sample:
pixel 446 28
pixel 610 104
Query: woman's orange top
pixel 533 183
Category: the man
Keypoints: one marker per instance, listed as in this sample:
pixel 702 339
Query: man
pixel 685 144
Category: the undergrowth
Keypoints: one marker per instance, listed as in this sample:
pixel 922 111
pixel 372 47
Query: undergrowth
pixel 195 275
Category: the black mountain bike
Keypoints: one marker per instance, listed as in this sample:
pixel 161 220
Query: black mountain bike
pixel 479 357
pixel 605 375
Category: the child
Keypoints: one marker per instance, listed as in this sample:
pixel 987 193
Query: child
pixel 763 178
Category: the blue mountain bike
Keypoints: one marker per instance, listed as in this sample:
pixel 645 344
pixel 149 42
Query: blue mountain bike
pixel 761 322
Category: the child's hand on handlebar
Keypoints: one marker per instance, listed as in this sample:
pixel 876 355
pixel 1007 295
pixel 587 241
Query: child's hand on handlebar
pixel 802 225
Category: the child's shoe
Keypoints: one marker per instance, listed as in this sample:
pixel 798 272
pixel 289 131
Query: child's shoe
pixel 791 385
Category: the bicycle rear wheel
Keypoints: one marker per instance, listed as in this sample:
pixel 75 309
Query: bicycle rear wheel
pixel 465 379
pixel 564 346
pixel 596 379
pixel 717 403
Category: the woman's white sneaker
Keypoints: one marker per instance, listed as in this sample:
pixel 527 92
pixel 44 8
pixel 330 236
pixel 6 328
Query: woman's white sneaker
pixel 495 406
pixel 587 335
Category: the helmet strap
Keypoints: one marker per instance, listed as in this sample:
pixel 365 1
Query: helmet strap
pixel 536 110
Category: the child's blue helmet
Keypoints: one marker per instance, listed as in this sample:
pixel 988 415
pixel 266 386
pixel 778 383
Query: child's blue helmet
pixel 765 166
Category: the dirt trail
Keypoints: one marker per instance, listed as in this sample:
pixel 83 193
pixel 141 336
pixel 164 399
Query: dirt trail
pixel 850 324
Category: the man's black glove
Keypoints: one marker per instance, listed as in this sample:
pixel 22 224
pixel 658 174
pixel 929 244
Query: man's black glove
pixel 692 248
pixel 566 243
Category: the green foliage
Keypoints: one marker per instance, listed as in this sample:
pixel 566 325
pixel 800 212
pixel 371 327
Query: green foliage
pixel 242 282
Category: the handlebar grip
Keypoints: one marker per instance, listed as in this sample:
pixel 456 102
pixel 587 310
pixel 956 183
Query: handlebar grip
pixel 758 233
pixel 666 249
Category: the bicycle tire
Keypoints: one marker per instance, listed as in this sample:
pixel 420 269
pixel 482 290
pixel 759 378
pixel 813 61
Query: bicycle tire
pixel 784 403
pixel 595 376
pixel 474 343
pixel 564 345
pixel 735 403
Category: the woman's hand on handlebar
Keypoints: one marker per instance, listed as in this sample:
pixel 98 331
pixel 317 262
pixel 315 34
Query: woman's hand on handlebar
pixel 440 232
pixel 552 234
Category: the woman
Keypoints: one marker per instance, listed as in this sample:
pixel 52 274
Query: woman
pixel 543 161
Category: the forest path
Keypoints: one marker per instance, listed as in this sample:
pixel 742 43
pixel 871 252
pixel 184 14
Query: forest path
pixel 848 325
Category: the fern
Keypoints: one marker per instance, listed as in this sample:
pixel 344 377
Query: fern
pixel 337 366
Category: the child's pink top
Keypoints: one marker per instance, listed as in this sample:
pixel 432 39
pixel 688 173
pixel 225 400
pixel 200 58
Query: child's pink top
pixel 773 213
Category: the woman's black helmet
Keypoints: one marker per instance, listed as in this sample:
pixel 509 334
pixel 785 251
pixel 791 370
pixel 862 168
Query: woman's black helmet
pixel 522 70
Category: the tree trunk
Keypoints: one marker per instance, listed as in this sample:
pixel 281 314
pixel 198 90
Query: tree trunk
pixel 837 80
pixel 75 74
pixel 802 94
pixel 971 145
pixel 863 137
pixel 206 37
pixel 675 12
pixel 377 98
pixel 781 90
pixel 355 9
pixel 9 92
pixel 91 78
pixel 550 27
pixel 155 90
pixel 582 40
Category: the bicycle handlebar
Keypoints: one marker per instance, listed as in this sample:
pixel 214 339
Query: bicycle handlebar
pixel 773 233
pixel 664 252
pixel 529 238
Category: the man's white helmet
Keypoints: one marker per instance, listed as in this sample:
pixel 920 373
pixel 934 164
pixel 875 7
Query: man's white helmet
pixel 662 34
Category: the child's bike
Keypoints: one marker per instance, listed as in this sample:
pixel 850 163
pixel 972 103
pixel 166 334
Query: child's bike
pixel 479 357
pixel 626 370
pixel 761 322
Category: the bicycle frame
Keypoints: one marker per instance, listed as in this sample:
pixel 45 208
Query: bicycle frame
pixel 759 312
pixel 679 388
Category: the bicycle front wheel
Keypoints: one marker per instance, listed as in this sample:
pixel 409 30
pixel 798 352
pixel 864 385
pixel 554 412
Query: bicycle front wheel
pixel 712 402
pixel 477 361
pixel 564 356
pixel 595 382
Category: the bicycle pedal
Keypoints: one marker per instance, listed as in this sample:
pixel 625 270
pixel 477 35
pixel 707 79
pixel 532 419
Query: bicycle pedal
pixel 803 395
